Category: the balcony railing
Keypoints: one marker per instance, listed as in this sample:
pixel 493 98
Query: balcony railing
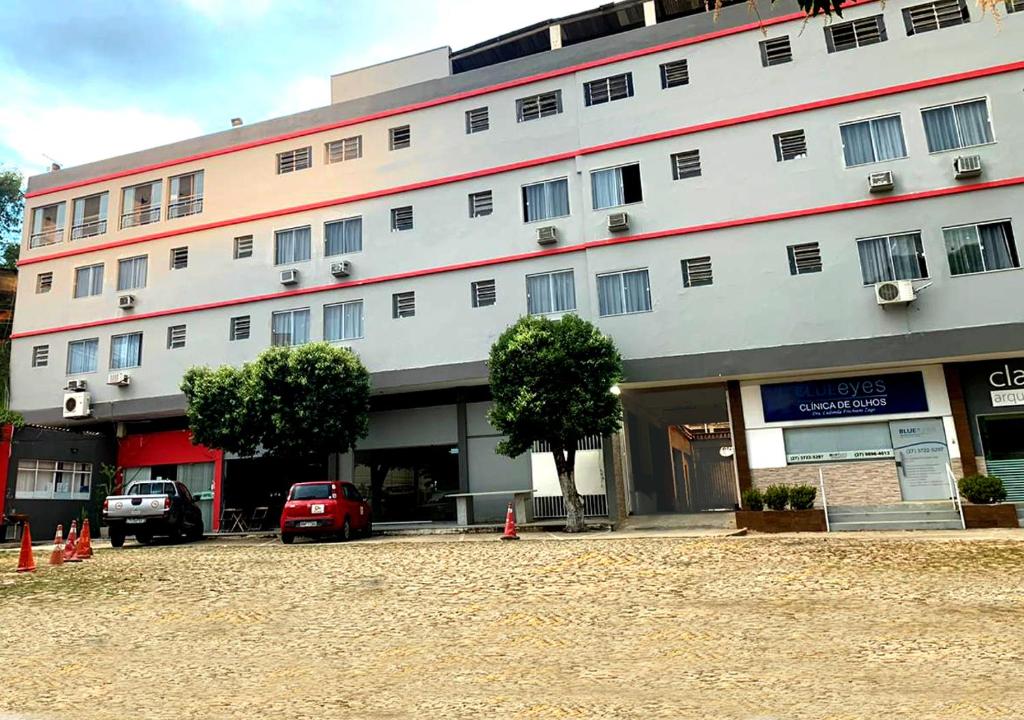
pixel 88 228
pixel 145 216
pixel 46 237
pixel 185 206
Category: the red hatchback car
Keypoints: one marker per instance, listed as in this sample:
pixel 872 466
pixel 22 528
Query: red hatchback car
pixel 328 508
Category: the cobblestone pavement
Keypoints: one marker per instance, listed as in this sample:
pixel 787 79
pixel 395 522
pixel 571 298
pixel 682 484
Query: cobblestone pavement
pixel 850 626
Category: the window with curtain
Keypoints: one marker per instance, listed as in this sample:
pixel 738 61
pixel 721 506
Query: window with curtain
pixel 957 125
pixel 624 292
pixel 290 327
pixel 545 200
pixel 981 248
pixel 874 140
pixel 343 321
pixel 126 351
pixel 292 245
pixel 343 236
pixel 131 273
pixel 553 292
pixel 88 281
pixel 82 356
pixel 616 186
pixel 53 480
pixel 892 257
pixel 90 216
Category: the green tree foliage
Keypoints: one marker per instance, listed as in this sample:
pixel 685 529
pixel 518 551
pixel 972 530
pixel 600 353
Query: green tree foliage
pixel 551 381
pixel 302 403
pixel 12 205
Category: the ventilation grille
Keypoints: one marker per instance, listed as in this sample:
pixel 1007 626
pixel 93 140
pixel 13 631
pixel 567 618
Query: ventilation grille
pixel 40 356
pixel 350 148
pixel 240 328
pixel 293 160
pixel 179 258
pixel 616 87
pixel 400 137
pixel 674 74
pixel 697 271
pixel 403 305
pixel 804 258
pixel 477 120
pixel 44 282
pixel 790 145
pixel 401 218
pixel 484 293
pixel 547 507
pixel 243 247
pixel 175 337
pixel 776 51
pixel 854 34
pixel 538 106
pixel 480 204
pixel 935 16
pixel 686 164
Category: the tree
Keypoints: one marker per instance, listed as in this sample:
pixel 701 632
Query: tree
pixel 12 205
pixel 552 381
pixel 301 403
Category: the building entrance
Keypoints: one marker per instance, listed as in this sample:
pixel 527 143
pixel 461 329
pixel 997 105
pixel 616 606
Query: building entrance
pixel 1002 437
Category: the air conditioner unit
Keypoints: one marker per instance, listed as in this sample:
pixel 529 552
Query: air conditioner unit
pixel 881 181
pixel 126 302
pixel 967 166
pixel 617 222
pixel 289 277
pixel 547 235
pixel 76 385
pixel 895 292
pixel 342 268
pixel 121 379
pixel 76 405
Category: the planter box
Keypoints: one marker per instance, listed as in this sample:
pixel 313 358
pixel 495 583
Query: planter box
pixel 776 521
pixel 1001 515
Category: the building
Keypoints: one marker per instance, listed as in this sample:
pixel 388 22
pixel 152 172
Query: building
pixel 803 240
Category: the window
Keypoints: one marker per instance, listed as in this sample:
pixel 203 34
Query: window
pixel 82 355
pixel 239 328
pixel 674 74
pixel 959 125
pixel 477 120
pixel 935 16
pixel 176 337
pixel 790 145
pixel 538 106
pixel 804 258
pixel 291 246
pixel 697 271
pixel 53 480
pixel 290 327
pixel 401 218
pixel 623 293
pixel 179 258
pixel 892 257
pixel 350 148
pixel 874 140
pixel 616 87
pixel 131 273
pixel 855 33
pixel 47 225
pixel 40 356
pixel 403 305
pixel 89 216
pixel 88 281
pixel 293 160
pixel 140 204
pixel 343 321
pixel 343 236
pixel 776 51
pixel 860 441
pixel 44 282
pixel 616 186
pixel 483 293
pixel 186 195
pixel 545 200
pixel 126 351
pixel 480 204
pixel 243 247
pixel 685 164
pixel 399 137
pixel 553 292
pixel 981 248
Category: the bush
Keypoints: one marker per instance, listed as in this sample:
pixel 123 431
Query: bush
pixel 982 489
pixel 753 499
pixel 776 497
pixel 801 497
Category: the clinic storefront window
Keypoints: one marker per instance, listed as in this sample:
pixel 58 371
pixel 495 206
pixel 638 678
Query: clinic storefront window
pixel 994 396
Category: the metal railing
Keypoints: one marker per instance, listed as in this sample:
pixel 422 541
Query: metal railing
pixel 140 217
pixel 185 206
pixel 96 226
pixel 954 494
pixel 553 506
pixel 47 237
pixel 824 500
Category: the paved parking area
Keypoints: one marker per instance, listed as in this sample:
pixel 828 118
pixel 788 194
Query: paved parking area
pixel 841 626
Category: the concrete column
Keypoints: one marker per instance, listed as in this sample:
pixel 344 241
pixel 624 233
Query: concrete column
pixel 463 444
pixel 739 436
pixel 962 423
pixel 556 36
pixel 650 15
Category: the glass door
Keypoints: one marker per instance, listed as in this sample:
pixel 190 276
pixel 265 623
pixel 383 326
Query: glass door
pixel 1002 437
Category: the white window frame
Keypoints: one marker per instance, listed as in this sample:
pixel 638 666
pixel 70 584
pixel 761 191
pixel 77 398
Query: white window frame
pixel 617 169
pixel 120 272
pixel 956 120
pixel 522 196
pixel 293 261
pixel 888 247
pixel 291 332
pixel 92 268
pixel 96 356
pixel 874 146
pixel 344 336
pixel 550 275
pixel 1008 221
pixel 138 360
pixel 347 220
pixel 76 470
pixel 621 274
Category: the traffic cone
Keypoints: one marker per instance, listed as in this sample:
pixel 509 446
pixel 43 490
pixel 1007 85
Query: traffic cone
pixel 510 525
pixel 84 547
pixel 26 561
pixel 69 549
pixel 57 556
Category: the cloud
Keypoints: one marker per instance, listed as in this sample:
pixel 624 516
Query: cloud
pixel 226 11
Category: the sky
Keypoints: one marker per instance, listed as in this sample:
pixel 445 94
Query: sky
pixel 82 80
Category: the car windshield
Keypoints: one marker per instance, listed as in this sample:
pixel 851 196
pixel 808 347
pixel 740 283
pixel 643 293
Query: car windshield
pixel 320 491
pixel 151 488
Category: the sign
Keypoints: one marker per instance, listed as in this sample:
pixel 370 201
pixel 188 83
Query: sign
pixel 888 394
pixel 1007 385
pixel 1007 398
pixel 921 458
pixel 839 456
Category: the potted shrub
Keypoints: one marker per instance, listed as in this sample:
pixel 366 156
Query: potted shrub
pixel 753 499
pixel 986 509
pixel 801 516
pixel 801 497
pixel 776 497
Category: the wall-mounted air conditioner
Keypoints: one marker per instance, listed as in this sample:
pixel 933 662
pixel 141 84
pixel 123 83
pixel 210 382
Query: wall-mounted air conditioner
pixel 126 302
pixel 881 181
pixel 121 379
pixel 618 222
pixel 967 166
pixel 76 405
pixel 76 385
pixel 342 268
pixel 289 277
pixel 895 292
pixel 547 235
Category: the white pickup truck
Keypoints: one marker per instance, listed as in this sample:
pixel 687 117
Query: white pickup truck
pixel 152 507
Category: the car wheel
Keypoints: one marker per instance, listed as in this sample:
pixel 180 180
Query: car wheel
pixel 196 531
pixel 116 537
pixel 346 531
pixel 287 538
pixel 144 537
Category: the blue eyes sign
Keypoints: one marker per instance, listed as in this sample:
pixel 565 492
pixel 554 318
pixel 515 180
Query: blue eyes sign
pixel 888 394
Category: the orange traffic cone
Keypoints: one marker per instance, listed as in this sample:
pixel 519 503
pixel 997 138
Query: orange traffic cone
pixel 510 525
pixel 69 549
pixel 84 548
pixel 26 561
pixel 57 556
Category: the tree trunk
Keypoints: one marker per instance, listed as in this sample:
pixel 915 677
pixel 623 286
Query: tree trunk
pixel 565 463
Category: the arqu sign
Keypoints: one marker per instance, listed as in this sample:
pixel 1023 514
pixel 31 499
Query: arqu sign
pixel 887 394
pixel 1008 384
